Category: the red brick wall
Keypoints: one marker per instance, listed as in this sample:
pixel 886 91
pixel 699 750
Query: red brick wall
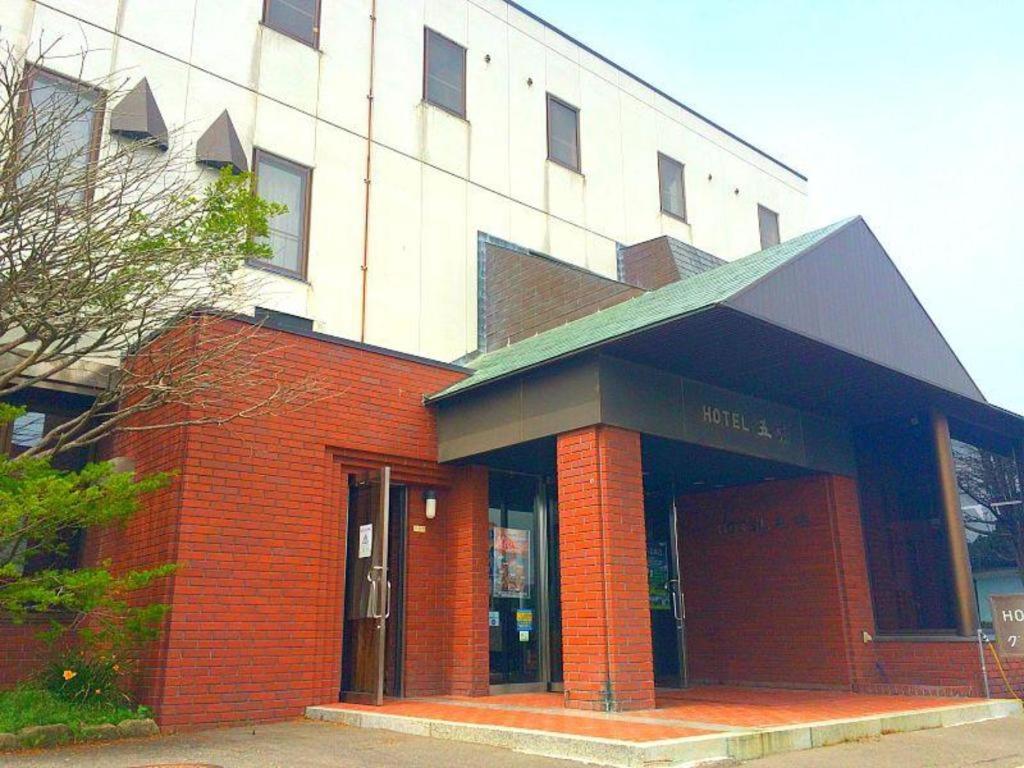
pixel 790 604
pixel 425 598
pixel 606 630
pixel 258 529
pixel 761 587
pixel 21 651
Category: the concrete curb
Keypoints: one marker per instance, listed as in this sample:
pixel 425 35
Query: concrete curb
pixel 742 744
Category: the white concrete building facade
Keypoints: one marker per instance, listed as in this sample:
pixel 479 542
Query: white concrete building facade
pixel 437 179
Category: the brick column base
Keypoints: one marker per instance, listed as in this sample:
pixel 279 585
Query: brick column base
pixel 606 626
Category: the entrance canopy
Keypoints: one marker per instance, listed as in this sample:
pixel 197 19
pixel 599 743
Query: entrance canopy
pixel 801 341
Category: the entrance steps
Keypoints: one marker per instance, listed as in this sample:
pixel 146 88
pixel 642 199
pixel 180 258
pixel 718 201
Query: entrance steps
pixel 579 735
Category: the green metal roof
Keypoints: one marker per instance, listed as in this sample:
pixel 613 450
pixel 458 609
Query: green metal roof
pixel 647 310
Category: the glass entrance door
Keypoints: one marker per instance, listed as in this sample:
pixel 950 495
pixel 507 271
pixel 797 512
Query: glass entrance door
pixel 371 642
pixel 520 612
pixel 665 594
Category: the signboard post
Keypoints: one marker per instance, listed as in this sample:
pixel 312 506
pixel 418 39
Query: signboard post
pixel 1008 623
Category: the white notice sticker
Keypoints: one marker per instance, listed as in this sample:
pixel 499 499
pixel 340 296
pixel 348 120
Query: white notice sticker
pixel 365 540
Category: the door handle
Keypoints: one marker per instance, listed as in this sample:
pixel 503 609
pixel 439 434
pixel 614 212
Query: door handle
pixel 379 608
pixel 670 585
pixel 371 601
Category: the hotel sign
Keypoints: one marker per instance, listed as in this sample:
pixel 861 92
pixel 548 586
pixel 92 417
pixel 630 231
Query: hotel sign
pixel 728 420
pixel 1008 623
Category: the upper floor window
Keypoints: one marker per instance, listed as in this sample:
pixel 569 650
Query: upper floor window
pixel 282 181
pixel 563 133
pixel 673 190
pixel 62 131
pixel 444 73
pixel 299 19
pixel 768 222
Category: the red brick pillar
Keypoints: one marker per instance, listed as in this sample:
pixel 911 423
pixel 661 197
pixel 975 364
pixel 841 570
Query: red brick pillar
pixel 606 626
pixel 852 575
pixel 465 512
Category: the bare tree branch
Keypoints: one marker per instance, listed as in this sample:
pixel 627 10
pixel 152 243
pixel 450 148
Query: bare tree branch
pixel 115 253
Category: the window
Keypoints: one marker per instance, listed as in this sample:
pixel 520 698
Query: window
pixel 282 181
pixel 768 222
pixel 27 431
pixel 563 133
pixel 444 73
pixel 673 194
pixel 52 99
pixel 989 482
pixel 905 537
pixel 299 19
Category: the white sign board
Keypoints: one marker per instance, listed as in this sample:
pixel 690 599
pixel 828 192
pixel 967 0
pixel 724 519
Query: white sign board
pixel 365 540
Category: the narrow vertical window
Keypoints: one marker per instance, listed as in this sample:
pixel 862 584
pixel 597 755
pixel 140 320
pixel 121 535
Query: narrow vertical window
pixel 673 190
pixel 768 222
pixel 282 181
pixel 444 73
pixel 563 133
pixel 299 19
pixel 61 132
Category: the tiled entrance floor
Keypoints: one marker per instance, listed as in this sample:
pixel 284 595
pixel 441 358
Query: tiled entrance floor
pixel 698 723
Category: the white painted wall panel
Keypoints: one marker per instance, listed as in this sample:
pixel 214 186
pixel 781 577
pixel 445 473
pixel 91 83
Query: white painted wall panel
pixel 488 100
pixel 165 25
pixel 336 231
pixel 225 37
pixel 344 63
pixel 393 279
pixel 443 273
pixel 287 72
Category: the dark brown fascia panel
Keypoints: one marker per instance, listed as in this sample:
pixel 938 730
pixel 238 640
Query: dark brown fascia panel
pixel 220 146
pixel 600 389
pixel 556 399
pixel 138 117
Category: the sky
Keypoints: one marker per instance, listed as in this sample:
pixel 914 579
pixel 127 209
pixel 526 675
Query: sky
pixel 910 114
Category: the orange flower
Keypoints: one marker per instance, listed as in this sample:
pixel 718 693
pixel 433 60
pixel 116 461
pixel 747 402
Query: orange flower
pixel 117 667
pixel 69 673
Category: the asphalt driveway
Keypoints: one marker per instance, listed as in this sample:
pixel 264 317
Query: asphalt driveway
pixel 304 744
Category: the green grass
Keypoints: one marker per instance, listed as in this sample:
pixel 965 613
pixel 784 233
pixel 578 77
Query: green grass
pixel 26 705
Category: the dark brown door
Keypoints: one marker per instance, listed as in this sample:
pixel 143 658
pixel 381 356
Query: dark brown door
pixel 367 589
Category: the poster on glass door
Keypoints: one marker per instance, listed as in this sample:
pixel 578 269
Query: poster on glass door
pixel 510 564
pixel 657 576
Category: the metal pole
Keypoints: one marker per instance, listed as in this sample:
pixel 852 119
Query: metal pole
pixel 981 658
pixel 956 537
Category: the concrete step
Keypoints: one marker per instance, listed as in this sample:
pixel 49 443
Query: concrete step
pixel 738 744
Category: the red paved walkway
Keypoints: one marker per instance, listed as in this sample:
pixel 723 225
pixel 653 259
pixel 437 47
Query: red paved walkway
pixel 766 707
pixel 697 711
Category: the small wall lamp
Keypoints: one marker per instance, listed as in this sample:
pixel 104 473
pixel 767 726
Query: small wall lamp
pixel 430 504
